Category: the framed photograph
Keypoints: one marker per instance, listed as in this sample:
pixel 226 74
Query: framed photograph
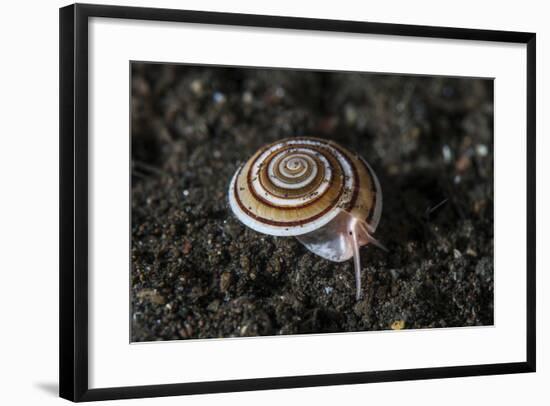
pixel 257 202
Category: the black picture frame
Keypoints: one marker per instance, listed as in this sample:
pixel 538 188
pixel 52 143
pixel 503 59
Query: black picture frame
pixel 73 333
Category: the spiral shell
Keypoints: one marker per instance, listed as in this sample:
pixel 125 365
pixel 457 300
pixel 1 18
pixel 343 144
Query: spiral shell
pixel 298 185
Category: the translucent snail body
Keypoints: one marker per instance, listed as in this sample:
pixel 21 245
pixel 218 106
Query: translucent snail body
pixel 312 189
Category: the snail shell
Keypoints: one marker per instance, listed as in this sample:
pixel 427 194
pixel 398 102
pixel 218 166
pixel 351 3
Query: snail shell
pixel 313 189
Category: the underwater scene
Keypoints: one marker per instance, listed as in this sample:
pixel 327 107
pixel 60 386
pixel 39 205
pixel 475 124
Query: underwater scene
pixel 277 201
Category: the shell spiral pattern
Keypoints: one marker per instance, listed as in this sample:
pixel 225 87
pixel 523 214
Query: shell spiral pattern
pixel 298 185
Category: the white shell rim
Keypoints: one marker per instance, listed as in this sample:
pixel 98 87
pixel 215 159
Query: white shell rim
pixel 377 214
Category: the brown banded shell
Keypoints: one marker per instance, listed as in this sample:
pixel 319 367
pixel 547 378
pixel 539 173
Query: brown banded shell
pixel 295 186
pixel 314 189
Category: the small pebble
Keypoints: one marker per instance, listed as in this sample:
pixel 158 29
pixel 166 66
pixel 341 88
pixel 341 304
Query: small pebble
pixel 196 87
pixel 218 97
pixel 189 329
pixel 463 163
pixel 280 92
pixel 351 114
pixel 447 155
pixel 225 281
pixel 187 247
pixel 151 295
pixel 214 306
pixel 398 325
pixel 247 97
pixel 245 263
pixel 482 150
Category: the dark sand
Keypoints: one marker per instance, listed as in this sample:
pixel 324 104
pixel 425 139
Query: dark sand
pixel 197 272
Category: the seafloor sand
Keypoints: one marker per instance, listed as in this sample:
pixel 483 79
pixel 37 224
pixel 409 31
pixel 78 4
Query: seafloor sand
pixel 198 273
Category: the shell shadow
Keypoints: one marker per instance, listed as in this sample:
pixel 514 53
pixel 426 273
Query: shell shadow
pixel 413 202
